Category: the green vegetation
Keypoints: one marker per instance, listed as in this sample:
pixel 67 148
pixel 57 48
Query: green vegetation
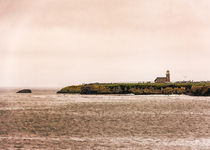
pixel 71 89
pixel 192 88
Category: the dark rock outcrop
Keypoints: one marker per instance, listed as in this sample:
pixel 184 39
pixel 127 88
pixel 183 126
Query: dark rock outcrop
pixel 200 91
pixel 25 91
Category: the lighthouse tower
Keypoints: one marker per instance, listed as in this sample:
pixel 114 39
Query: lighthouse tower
pixel 168 76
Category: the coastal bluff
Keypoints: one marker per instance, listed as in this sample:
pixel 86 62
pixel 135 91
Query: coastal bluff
pixel 192 88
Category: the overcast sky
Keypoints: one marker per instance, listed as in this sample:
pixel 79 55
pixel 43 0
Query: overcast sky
pixel 54 43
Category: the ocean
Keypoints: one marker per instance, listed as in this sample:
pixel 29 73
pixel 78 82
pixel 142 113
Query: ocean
pixel 46 120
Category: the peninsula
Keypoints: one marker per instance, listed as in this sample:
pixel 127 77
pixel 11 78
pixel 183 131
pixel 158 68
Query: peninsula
pixel 188 88
pixel 161 85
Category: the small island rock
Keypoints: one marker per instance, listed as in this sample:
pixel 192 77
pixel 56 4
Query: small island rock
pixel 25 91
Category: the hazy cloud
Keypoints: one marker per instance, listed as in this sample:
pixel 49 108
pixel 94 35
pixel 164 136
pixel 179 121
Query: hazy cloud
pixel 61 42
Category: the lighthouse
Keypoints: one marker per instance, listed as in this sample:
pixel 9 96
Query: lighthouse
pixel 165 79
pixel 168 76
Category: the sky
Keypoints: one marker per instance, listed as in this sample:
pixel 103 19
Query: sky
pixel 56 43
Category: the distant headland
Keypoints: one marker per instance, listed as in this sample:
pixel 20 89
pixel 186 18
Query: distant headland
pixel 161 85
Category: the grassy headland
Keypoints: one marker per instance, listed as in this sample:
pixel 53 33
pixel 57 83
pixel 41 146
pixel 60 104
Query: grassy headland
pixel 192 88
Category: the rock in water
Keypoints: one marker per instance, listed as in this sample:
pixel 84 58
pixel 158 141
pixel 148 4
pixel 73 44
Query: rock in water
pixel 25 91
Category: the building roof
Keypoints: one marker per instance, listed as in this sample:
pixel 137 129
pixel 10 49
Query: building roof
pixel 161 78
